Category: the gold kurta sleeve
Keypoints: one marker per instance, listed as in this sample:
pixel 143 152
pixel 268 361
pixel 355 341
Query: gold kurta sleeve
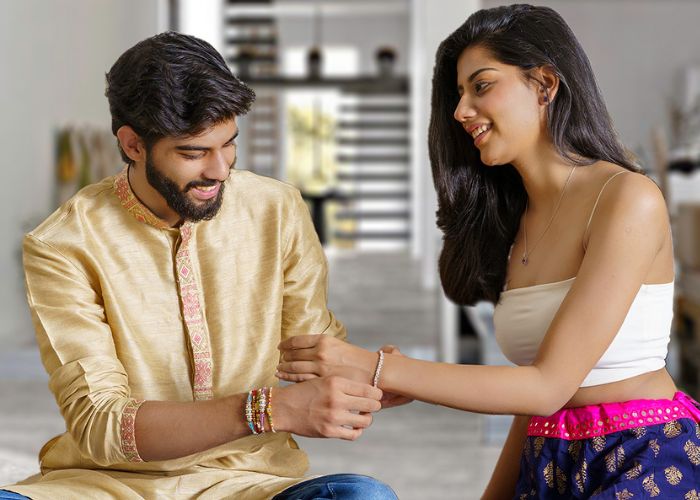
pixel 306 280
pixel 77 348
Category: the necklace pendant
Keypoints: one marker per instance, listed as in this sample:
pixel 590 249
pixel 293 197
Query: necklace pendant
pixel 524 260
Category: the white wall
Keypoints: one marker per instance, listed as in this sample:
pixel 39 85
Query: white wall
pixel 203 19
pixel 53 58
pixel 636 48
pixel 429 27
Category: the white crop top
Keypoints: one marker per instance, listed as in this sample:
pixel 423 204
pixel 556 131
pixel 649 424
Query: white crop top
pixel 523 315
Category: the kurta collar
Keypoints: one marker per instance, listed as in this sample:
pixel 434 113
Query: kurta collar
pixel 132 204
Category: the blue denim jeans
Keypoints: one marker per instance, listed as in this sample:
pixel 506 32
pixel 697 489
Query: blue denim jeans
pixel 339 486
pixel 336 486
pixel 8 495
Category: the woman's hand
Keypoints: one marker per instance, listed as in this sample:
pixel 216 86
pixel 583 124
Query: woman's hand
pixel 309 356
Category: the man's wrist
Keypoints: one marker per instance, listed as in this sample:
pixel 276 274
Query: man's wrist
pixel 282 410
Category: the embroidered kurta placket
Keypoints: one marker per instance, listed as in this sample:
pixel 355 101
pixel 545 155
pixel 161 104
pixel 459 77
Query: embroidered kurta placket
pixel 193 317
pixel 190 301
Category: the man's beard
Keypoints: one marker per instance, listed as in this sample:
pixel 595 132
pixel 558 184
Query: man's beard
pixel 178 200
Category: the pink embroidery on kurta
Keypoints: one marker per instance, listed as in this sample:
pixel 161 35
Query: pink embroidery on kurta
pixel 194 318
pixel 128 431
pixel 189 289
pixel 132 203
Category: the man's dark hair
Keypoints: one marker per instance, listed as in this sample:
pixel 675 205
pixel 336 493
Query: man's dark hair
pixel 172 85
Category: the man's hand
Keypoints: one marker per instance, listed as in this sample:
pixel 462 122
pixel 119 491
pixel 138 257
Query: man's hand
pixel 331 407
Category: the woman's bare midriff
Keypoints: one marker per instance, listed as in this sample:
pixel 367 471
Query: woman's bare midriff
pixel 653 385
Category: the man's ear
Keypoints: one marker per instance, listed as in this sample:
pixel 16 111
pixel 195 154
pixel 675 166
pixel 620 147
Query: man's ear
pixel 131 143
pixel 548 83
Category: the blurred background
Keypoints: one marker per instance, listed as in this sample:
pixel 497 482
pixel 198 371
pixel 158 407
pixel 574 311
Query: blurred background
pixel 342 111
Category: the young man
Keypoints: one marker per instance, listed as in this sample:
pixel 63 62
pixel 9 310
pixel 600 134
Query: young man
pixel 159 297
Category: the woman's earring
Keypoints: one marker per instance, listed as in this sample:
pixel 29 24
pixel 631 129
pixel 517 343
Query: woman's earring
pixel 545 99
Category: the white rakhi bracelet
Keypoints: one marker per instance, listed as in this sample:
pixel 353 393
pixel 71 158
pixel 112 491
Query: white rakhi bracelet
pixel 378 370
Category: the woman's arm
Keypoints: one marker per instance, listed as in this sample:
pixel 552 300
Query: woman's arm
pixel 629 229
pixel 505 474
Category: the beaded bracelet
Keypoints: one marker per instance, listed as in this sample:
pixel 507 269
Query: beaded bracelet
pixel 258 407
pixel 256 411
pixel 249 412
pixel 262 405
pixel 269 410
pixel 378 370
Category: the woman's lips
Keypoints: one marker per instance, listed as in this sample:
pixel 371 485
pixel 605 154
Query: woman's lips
pixel 481 137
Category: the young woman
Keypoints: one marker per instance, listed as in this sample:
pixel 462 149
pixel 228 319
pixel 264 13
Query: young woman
pixel 545 215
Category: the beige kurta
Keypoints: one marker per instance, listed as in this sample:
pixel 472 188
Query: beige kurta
pixel 127 309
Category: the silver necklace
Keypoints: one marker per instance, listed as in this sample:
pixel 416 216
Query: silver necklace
pixel 526 255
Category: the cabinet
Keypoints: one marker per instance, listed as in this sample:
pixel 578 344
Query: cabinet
pixel 687 330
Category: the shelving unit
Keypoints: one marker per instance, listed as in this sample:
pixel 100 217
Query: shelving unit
pixel 250 40
pixel 374 169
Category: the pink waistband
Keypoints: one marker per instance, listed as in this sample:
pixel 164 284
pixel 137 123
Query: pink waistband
pixel 597 420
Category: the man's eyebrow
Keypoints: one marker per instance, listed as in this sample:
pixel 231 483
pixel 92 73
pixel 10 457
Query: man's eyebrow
pixel 474 75
pixel 193 147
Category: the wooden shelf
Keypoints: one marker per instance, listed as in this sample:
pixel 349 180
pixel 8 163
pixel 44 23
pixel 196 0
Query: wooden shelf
pixel 360 84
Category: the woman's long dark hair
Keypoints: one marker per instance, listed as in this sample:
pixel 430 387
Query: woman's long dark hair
pixel 479 207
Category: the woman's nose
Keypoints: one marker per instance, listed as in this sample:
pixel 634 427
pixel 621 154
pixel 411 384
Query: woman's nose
pixel 464 110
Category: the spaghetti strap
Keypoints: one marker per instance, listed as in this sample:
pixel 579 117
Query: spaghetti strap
pixel 595 205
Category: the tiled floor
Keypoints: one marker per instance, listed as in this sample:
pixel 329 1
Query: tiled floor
pixel 422 451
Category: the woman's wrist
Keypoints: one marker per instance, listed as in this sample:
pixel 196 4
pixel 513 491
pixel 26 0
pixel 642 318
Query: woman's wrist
pixel 368 364
pixel 384 380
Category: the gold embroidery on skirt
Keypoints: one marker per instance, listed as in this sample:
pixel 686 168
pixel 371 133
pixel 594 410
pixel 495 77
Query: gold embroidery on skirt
pixel 673 475
pixel 548 474
pixel 623 495
pixel 693 452
pixel 615 459
pixel 639 432
pixel 561 481
pixel 650 486
pixel 692 495
pixel 539 443
pixel 575 450
pixel 697 430
pixel 654 445
pixel 672 429
pixel 634 472
pixel 598 443
pixel 581 476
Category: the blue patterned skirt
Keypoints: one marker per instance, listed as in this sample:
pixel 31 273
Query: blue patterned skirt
pixel 636 449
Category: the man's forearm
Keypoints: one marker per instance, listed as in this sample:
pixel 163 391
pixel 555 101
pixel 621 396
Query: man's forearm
pixel 166 430
pixel 331 407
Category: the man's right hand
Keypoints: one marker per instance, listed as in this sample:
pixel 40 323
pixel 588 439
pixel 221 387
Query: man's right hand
pixel 331 407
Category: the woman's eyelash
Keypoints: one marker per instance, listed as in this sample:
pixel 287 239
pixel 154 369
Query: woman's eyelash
pixel 479 86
